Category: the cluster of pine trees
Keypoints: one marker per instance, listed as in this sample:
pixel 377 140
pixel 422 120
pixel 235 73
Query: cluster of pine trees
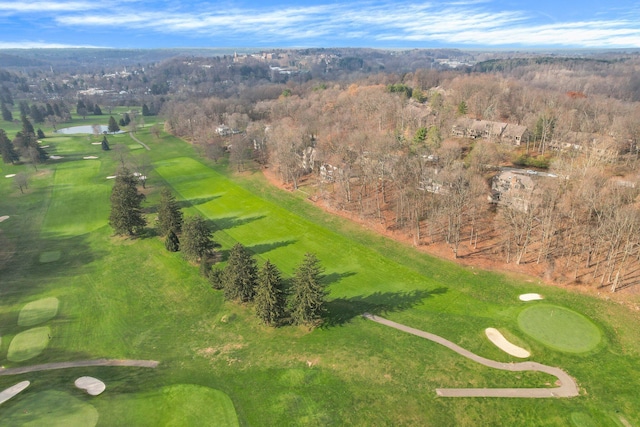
pixel 302 302
pixel 25 144
pixel 275 302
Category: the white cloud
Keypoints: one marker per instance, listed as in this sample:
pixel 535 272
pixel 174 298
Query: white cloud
pixel 460 22
pixel 43 45
pixel 48 6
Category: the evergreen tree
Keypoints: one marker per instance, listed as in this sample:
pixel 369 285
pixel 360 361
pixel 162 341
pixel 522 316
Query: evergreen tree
pixel 462 108
pixel 6 113
pixel 126 212
pixel 195 241
pixel 105 144
pixel 113 126
pixel 171 242
pixel 27 127
pixel 126 119
pixel 270 296
pixel 240 275
pixel 36 114
pixel 169 214
pixel 97 110
pixel 9 154
pixel 216 278
pixel 24 108
pixel 308 299
pixel 40 134
pixel 145 110
pixel 49 109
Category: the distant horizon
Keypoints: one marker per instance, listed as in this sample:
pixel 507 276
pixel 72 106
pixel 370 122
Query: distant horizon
pixel 375 24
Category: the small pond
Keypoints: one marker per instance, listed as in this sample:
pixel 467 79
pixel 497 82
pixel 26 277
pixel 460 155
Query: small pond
pixel 84 129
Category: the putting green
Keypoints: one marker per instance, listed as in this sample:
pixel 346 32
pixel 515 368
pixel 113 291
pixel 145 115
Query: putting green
pixel 38 311
pixel 28 344
pixel 50 256
pixel 51 408
pixel 176 405
pixel 559 328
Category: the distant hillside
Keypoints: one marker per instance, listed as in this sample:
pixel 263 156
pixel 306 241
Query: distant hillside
pixel 8 61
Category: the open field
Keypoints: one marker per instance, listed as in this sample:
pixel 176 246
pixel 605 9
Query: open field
pixel 131 299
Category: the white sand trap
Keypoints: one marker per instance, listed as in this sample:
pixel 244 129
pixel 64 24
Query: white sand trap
pixel 90 157
pixel 44 146
pixel 96 143
pixel 11 175
pixel 501 342
pixel 55 157
pixel 111 177
pixel 92 386
pixel 4 218
pixel 12 391
pixel 530 297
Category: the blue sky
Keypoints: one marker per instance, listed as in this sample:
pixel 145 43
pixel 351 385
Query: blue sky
pixel 317 23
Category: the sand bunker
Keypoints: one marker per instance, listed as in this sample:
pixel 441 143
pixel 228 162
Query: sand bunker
pixel 4 218
pixel 111 177
pixel 11 175
pixel 44 146
pixel 12 391
pixel 92 386
pixel 96 143
pixel 530 297
pixel 55 157
pixel 501 342
pixel 89 157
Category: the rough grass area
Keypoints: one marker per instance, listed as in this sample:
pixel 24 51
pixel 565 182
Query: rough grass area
pixel 178 405
pixel 28 344
pixel 50 256
pixel 38 311
pixel 559 328
pixel 50 408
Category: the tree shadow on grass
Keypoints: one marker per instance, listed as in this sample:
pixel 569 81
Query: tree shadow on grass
pixel 232 222
pixel 342 310
pixel 39 260
pixel 262 248
pixel 196 201
pixel 333 278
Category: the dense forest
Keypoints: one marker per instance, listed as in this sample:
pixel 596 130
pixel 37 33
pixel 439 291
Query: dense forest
pixel 562 200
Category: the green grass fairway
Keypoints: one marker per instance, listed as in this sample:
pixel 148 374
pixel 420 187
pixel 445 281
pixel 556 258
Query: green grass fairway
pixel 28 344
pixel 559 328
pixel 38 311
pixel 52 409
pixel 80 200
pixel 178 405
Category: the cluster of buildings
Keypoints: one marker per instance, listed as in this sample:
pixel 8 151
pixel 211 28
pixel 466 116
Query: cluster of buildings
pixel 507 133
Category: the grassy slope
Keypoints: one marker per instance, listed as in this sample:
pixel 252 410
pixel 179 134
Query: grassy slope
pixel 122 298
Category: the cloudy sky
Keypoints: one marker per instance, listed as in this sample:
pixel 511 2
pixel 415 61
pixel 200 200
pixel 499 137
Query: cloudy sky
pixel 320 23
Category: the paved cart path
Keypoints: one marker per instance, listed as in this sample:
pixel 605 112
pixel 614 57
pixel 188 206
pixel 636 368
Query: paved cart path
pixel 567 388
pixel 79 364
pixel 138 141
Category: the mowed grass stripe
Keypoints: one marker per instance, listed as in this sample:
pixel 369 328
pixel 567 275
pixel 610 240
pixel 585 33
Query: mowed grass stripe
pixel 79 203
pixel 283 237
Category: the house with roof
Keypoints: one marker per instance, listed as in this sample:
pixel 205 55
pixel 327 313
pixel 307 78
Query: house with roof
pixel 490 130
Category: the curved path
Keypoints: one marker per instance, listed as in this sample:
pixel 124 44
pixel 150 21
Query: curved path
pixel 138 141
pixel 568 386
pixel 79 364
